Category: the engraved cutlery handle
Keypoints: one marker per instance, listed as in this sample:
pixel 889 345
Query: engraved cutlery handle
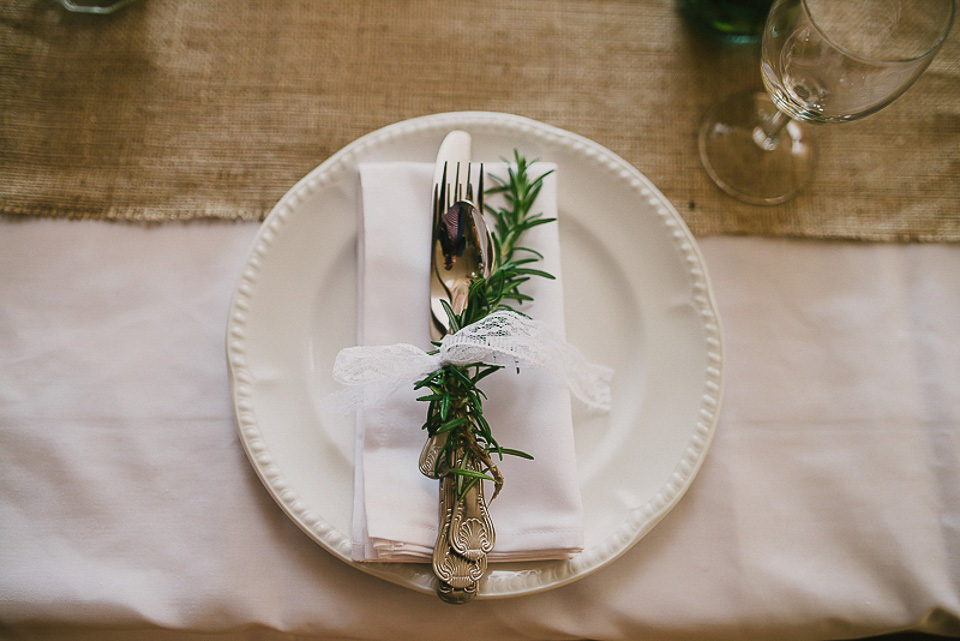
pixel 461 251
pixel 429 464
pixel 471 532
pixel 459 576
pixel 465 537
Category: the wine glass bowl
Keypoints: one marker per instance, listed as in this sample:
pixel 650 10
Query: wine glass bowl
pixel 822 62
pixel 828 60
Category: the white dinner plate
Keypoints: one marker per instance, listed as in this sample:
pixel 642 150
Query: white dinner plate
pixel 637 299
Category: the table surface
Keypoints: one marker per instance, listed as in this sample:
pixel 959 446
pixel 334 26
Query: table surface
pixel 828 506
pixel 173 109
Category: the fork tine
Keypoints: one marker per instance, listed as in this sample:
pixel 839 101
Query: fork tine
pixel 441 198
pixel 458 191
pixel 469 183
pixel 480 190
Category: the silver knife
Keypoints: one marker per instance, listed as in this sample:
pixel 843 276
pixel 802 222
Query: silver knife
pixel 461 250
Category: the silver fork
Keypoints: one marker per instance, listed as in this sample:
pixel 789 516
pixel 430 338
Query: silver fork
pixel 459 191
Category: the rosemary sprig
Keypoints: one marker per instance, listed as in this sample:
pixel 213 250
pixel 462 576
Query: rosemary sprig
pixel 455 400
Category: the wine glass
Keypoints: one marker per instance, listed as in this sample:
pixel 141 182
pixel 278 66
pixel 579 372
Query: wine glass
pixel 822 61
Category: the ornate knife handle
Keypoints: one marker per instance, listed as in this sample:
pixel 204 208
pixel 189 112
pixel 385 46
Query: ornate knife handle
pixel 459 576
pixel 471 529
pixel 465 538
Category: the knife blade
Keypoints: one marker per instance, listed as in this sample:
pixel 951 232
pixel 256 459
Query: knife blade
pixel 449 186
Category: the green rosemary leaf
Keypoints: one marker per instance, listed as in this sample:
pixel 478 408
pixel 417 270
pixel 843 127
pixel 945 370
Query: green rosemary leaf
pixel 484 426
pixel 517 296
pixel 527 249
pixel 529 224
pixel 452 424
pixel 428 379
pixel 497 248
pixel 515 282
pixel 462 376
pixel 451 316
pixel 512 452
pixel 464 487
pixel 462 471
pixel 482 374
pixel 535 272
pixel 477 286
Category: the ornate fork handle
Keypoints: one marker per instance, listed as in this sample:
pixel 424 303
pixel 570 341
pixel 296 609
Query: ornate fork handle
pixel 430 464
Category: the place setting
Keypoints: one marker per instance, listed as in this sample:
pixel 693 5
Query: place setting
pixel 589 329
pixel 475 405
pixel 479 356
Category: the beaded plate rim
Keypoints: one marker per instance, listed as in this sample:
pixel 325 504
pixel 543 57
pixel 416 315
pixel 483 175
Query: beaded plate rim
pixel 417 576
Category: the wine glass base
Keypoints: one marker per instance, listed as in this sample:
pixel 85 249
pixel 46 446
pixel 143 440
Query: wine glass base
pixel 742 164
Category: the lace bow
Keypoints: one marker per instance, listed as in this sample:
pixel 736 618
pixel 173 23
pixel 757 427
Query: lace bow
pixel 503 338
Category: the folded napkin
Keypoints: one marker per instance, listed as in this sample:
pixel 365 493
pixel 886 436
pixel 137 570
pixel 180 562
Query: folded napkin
pixel 538 514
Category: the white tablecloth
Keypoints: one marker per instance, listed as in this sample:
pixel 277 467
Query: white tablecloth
pixel 828 506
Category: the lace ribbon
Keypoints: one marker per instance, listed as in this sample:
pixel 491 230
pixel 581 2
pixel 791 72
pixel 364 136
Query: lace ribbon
pixel 503 338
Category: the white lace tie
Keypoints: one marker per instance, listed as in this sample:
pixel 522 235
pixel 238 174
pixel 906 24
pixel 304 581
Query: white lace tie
pixel 503 338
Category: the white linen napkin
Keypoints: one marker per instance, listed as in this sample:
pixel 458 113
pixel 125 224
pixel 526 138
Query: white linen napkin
pixel 538 514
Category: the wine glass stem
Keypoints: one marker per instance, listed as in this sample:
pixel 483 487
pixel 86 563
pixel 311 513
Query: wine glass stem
pixel 767 133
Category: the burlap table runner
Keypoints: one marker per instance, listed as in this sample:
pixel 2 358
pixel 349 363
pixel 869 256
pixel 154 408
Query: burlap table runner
pixel 179 109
